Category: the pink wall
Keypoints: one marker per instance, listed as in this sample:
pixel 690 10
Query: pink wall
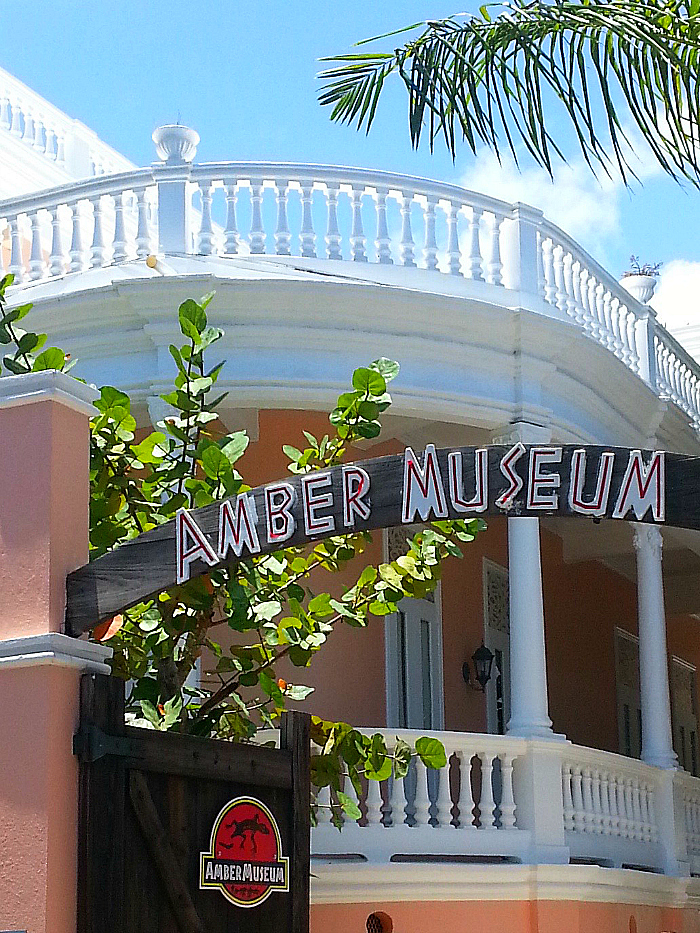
pixel 506 917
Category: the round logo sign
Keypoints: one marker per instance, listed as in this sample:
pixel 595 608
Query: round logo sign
pixel 245 860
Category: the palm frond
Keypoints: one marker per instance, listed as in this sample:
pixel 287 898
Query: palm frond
pixel 490 79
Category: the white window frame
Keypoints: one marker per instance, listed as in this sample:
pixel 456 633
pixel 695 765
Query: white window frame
pixel 391 654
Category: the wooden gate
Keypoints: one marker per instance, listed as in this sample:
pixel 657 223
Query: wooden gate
pixel 148 803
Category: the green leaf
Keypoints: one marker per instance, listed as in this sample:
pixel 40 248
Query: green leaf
pixel 402 758
pixel 214 462
pixel 369 380
pixel 15 366
pixel 150 449
pixel 235 446
pixel 53 358
pixel 350 808
pixel 298 691
pixel 431 752
pixel 267 610
pixel 389 369
pixel 193 319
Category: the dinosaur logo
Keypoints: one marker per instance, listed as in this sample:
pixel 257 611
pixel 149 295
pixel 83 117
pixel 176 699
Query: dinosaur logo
pixel 245 860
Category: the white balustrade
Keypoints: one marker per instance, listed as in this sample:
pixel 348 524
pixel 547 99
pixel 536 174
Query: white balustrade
pixel 38 124
pixel 325 212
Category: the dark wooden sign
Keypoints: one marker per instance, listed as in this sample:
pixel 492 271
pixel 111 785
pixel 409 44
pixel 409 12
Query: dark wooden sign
pixel 189 835
pixel 534 480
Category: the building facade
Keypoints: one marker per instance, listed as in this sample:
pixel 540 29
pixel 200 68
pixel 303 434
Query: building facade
pixel 571 799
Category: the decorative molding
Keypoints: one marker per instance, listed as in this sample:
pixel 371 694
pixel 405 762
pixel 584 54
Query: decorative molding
pixel 354 882
pixel 45 386
pixel 523 432
pixel 55 650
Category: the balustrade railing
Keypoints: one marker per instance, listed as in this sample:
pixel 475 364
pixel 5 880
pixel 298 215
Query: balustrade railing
pixel 47 130
pixel 280 210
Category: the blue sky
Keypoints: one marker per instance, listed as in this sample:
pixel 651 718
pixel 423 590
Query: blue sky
pixel 243 74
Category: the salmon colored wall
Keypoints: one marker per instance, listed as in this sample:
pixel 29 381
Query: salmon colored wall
pixel 510 916
pixel 584 602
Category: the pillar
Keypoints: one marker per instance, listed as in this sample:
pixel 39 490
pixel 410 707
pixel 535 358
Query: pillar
pixel 529 710
pixel 44 496
pixel 657 734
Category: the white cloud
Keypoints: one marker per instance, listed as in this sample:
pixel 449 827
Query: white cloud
pixel 585 207
pixel 677 298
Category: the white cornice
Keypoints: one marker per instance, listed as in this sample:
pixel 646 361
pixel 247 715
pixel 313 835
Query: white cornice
pixel 48 385
pixel 55 650
pixel 358 883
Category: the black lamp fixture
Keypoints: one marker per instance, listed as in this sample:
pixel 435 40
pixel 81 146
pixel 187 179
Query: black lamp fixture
pixel 483 661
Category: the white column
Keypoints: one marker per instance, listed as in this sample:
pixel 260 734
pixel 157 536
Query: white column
pixel 528 666
pixel 657 735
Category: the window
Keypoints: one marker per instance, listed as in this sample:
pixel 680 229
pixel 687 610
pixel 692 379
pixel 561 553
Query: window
pixel 497 639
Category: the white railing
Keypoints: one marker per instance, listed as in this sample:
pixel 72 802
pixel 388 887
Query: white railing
pixel 502 798
pixel 506 252
pixel 610 796
pixel 47 130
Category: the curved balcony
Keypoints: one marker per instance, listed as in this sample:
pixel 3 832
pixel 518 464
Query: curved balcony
pixel 392 229
pixel 503 799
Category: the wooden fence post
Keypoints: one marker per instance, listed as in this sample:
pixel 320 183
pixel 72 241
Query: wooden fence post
pixel 295 737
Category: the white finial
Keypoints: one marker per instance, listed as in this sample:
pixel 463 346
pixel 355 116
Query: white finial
pixel 175 144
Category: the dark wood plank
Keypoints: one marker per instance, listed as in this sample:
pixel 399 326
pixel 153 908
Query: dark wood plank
pixel 147 565
pixel 101 799
pixel 295 737
pixel 163 856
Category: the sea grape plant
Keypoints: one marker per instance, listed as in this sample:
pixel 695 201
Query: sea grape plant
pixel 276 605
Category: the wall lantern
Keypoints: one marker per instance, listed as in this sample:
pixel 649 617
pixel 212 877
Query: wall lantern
pixel 483 660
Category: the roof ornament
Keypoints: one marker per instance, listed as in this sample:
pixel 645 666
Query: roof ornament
pixel 175 144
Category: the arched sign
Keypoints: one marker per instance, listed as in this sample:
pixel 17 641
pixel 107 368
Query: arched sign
pixel 518 480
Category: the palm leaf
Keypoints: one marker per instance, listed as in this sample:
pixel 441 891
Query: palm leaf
pixel 499 77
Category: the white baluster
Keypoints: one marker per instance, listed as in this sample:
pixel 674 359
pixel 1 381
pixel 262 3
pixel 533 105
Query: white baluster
pixel 323 802
pixel 430 249
pixel 550 287
pixel 39 141
pixel 465 804
pixel 36 258
pixel 578 312
pixel 407 245
pixel 595 798
pixel 443 803
pixel 541 278
pixel 257 232
pixel 382 240
pixel 487 804
pixel 595 329
pixel 603 330
pixel 588 819
pixel 397 802
pixel 558 262
pixel 507 799
pixel 454 255
pixel 98 253
pixel 612 805
pixel 283 237
pixel 421 802
pixel 5 121
pixel 77 252
pixel 605 802
pixel 231 232
pixel 577 795
pixel 636 808
pixel 307 236
pixel 57 261
pixel 495 266
pixel 143 236
pixel 474 261
pixel 28 135
pixel 333 239
pixel 644 812
pixel 373 803
pixel 205 240
pixel 569 286
pixel 51 143
pixel 566 779
pixel 357 239
pixel 16 124
pixel 16 266
pixel 119 246
pixel 61 149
